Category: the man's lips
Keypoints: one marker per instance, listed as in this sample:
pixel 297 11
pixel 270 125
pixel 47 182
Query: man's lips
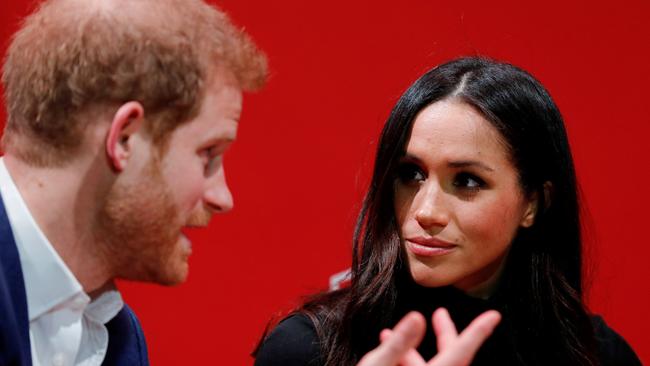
pixel 192 228
pixel 429 247
pixel 186 233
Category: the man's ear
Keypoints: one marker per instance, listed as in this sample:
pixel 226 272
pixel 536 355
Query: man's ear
pixel 533 205
pixel 126 121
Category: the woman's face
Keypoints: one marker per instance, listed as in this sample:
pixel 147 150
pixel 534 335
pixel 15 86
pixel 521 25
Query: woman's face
pixel 458 201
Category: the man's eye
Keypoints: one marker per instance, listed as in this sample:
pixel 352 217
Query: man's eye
pixel 468 182
pixel 213 165
pixel 410 173
pixel 211 160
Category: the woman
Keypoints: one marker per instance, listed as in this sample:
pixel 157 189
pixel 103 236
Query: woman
pixel 472 206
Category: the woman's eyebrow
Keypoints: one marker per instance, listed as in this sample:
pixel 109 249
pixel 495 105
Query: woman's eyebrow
pixel 452 164
pixel 410 158
pixel 469 163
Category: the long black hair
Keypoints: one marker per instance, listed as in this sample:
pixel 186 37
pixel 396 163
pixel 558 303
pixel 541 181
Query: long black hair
pixel 541 289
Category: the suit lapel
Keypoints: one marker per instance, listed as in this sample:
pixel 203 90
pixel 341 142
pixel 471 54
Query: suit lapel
pixel 13 300
pixel 126 344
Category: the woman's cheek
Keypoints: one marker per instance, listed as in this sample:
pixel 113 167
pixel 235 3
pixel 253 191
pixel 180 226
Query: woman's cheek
pixel 489 223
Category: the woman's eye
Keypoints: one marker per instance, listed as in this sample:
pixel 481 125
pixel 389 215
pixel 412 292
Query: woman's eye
pixel 469 182
pixel 410 173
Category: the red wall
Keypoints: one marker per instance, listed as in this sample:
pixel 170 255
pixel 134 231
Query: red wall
pixel 306 144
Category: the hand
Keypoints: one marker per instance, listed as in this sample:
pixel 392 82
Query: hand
pixel 398 345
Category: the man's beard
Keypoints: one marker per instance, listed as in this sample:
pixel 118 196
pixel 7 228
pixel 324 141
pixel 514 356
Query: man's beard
pixel 139 228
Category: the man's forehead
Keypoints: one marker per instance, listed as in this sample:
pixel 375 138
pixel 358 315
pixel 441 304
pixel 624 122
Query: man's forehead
pixel 215 124
pixel 223 97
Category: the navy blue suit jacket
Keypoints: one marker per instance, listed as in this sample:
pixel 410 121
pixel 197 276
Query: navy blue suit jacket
pixel 126 344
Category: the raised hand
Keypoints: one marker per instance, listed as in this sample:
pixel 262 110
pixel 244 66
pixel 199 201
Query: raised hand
pixel 398 345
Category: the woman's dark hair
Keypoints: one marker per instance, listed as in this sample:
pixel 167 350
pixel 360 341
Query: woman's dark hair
pixel 541 288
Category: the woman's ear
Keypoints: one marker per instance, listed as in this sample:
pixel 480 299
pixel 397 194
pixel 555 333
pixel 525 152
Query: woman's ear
pixel 531 210
pixel 126 121
pixel 533 205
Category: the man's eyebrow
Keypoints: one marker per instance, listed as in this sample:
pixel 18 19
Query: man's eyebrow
pixel 214 141
pixel 469 163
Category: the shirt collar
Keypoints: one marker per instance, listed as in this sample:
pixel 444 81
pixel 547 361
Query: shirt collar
pixel 48 281
pixel 105 306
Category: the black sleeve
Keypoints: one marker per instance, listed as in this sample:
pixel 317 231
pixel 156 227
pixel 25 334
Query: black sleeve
pixel 292 343
pixel 614 350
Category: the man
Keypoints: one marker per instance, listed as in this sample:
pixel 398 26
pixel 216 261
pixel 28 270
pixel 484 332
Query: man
pixel 119 112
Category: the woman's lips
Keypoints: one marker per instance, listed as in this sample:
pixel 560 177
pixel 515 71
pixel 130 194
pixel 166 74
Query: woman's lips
pixel 429 247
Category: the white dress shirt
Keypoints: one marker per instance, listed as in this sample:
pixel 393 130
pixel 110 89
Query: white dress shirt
pixel 66 328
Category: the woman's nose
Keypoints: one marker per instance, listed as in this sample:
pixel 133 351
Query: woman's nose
pixel 431 210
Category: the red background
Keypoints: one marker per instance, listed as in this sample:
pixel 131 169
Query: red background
pixel 306 144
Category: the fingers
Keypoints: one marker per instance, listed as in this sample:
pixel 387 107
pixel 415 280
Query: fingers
pixel 411 358
pixel 444 327
pixel 398 346
pixel 479 329
pixel 462 350
pixel 406 335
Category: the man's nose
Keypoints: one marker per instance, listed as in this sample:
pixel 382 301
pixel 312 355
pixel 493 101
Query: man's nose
pixel 217 195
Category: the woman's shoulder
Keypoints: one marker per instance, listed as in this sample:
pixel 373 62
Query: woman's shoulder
pixel 293 342
pixel 614 350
